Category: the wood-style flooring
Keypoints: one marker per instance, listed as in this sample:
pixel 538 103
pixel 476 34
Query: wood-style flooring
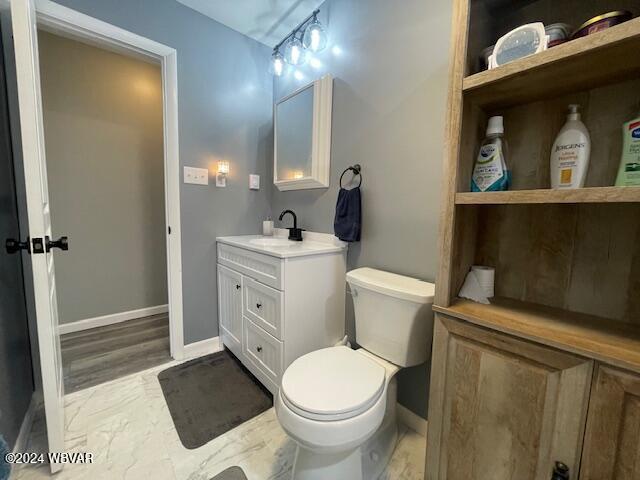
pixel 95 356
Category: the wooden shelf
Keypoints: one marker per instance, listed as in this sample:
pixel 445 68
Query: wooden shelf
pixel 606 340
pixel 579 195
pixel 577 65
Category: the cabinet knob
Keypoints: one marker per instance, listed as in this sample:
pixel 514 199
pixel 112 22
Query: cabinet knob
pixel 238 287
pixel 258 305
pixel 259 348
pixel 560 472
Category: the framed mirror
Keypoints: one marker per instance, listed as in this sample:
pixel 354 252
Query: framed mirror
pixel 302 137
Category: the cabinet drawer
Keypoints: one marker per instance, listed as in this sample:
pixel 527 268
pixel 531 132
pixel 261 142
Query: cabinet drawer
pixel 263 350
pixel 263 268
pixel 263 305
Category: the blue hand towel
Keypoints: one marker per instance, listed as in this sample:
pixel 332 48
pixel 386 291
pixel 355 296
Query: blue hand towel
pixel 348 215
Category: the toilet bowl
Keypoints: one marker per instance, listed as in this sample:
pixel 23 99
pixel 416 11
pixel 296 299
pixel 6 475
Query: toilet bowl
pixel 339 404
pixel 332 402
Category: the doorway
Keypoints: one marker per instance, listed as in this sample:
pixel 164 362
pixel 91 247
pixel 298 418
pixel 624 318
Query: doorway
pixel 26 17
pixel 103 129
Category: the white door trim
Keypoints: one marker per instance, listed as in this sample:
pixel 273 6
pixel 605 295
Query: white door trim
pixel 65 20
pixel 202 348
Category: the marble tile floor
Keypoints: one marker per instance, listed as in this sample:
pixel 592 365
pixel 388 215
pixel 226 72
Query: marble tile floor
pixel 125 423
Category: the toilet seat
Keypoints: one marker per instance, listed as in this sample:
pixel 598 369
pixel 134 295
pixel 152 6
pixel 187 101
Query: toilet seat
pixel 331 384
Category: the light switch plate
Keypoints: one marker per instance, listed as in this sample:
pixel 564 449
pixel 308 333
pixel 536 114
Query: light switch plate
pixel 196 176
pixel 254 182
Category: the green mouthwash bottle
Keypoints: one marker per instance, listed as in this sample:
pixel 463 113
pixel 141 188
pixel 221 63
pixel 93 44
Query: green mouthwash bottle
pixel 490 173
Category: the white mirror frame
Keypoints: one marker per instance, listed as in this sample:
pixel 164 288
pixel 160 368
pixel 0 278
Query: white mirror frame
pixel 320 138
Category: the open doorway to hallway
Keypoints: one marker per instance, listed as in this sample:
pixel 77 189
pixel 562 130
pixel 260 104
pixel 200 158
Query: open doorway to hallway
pixel 103 123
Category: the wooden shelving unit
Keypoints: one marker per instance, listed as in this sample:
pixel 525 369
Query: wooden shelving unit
pixel 531 368
pixel 581 64
pixel 613 342
pixel 541 196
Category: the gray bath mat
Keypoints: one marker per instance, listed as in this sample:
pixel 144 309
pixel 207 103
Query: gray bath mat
pixel 233 473
pixel 211 395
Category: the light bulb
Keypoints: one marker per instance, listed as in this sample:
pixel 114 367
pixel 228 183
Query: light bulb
pixel 223 167
pixel 294 53
pixel 315 37
pixel 278 64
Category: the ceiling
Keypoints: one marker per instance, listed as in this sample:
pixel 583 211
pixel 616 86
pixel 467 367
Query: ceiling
pixel 266 21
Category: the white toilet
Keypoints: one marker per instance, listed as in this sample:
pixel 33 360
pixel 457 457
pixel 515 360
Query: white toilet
pixel 339 404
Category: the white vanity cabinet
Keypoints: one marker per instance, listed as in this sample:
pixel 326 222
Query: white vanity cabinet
pixel 277 302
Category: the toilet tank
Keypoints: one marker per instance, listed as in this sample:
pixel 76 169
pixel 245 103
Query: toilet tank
pixel 393 315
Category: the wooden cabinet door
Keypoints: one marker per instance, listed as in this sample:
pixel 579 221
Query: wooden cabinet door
pixel 612 441
pixel 502 408
pixel 230 308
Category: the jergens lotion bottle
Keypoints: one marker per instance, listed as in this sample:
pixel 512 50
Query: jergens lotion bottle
pixel 570 153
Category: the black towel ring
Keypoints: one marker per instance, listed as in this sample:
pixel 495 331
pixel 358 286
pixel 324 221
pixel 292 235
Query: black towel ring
pixel 356 171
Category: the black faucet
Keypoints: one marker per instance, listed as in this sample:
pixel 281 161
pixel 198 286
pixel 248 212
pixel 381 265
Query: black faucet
pixel 295 233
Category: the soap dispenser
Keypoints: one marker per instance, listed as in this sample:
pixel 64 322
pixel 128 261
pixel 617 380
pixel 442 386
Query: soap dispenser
pixel 267 227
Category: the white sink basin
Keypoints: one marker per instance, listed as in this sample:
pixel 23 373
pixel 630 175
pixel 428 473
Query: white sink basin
pixel 271 242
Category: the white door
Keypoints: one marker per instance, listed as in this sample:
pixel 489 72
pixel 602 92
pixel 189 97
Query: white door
pixel 25 35
pixel 230 308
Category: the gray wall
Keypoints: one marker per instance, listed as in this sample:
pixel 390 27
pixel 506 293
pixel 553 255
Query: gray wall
pixel 224 100
pixel 16 381
pixel 104 140
pixel 388 115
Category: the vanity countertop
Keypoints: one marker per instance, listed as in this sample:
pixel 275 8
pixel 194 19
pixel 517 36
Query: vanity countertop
pixel 279 246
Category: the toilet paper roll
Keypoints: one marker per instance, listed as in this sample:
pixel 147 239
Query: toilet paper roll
pixel 472 290
pixel 486 278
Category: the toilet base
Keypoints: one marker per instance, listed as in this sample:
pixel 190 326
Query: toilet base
pixel 377 451
pixel 310 465
pixel 365 462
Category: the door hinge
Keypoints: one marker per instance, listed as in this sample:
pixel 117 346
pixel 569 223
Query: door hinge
pixel 37 245
pixel 169 230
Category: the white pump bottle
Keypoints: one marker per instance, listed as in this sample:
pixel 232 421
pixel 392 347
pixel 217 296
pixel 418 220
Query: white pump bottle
pixel 570 153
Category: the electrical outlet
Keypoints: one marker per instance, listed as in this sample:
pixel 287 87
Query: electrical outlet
pixel 196 176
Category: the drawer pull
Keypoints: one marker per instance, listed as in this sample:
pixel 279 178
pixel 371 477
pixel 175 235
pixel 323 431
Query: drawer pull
pixel 259 348
pixel 258 305
pixel 560 472
pixel 238 287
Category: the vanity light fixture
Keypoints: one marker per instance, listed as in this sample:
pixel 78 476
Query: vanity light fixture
pixel 309 36
pixel 223 171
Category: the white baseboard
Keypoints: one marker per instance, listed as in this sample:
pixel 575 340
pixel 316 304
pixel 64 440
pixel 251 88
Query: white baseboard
pixel 25 428
pixel 204 347
pixel 105 320
pixel 411 420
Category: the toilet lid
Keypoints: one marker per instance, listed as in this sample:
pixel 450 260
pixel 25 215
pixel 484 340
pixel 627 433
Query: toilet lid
pixel 335 381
